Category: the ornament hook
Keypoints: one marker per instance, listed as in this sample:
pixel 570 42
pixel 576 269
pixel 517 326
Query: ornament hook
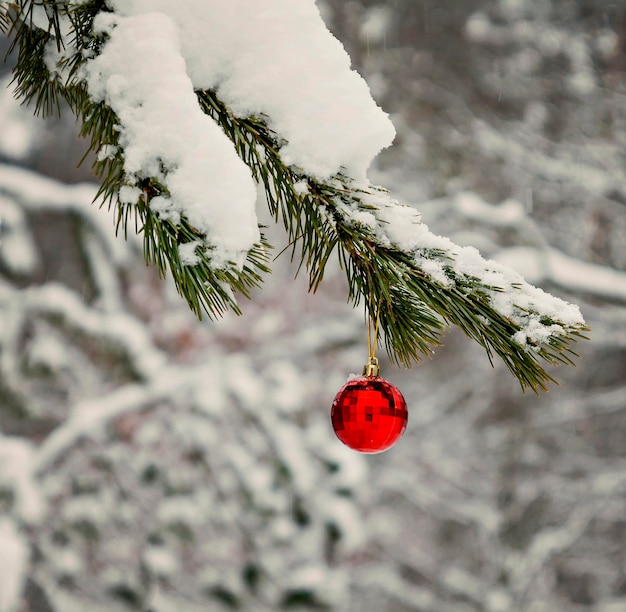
pixel 371 368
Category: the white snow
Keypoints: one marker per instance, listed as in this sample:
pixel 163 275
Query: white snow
pixel 607 43
pixel 20 130
pixel 402 224
pixel 507 213
pixel 478 27
pixel 48 350
pixel 187 253
pixel 288 388
pixel 17 464
pixel 310 96
pixel 142 76
pixel 17 249
pixel 513 294
pixel 14 553
pixel 344 514
pixel 376 23
pixel 155 55
pixel 160 560
pixel 161 205
pixel 327 585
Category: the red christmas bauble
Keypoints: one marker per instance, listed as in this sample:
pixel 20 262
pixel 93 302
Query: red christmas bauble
pixel 369 414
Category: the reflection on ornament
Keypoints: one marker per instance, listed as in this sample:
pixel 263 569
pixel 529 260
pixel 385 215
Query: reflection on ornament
pixel 369 414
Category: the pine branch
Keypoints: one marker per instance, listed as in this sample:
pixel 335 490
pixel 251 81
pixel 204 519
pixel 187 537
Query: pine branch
pixel 416 288
pixel 208 289
pixel 414 307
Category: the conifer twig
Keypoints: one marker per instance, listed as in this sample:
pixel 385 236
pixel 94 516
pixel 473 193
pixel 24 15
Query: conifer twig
pixel 417 290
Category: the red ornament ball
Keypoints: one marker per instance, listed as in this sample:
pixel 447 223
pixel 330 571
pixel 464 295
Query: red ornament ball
pixel 369 414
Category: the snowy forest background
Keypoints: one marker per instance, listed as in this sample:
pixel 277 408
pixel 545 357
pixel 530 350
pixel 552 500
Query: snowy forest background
pixel 152 462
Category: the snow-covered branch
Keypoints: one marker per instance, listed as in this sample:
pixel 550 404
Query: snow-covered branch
pixel 166 162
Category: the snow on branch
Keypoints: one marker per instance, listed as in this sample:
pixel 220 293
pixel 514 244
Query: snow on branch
pixel 152 82
pixel 551 266
pixel 151 58
pixel 33 192
pixel 121 330
pixel 17 471
pixel 601 177
pixel 541 264
pixel 416 280
pixel 280 61
pixel 88 417
pixel 17 464
pixel 142 76
pixel 14 553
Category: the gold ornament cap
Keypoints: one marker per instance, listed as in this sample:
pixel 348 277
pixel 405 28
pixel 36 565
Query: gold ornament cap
pixel 371 369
